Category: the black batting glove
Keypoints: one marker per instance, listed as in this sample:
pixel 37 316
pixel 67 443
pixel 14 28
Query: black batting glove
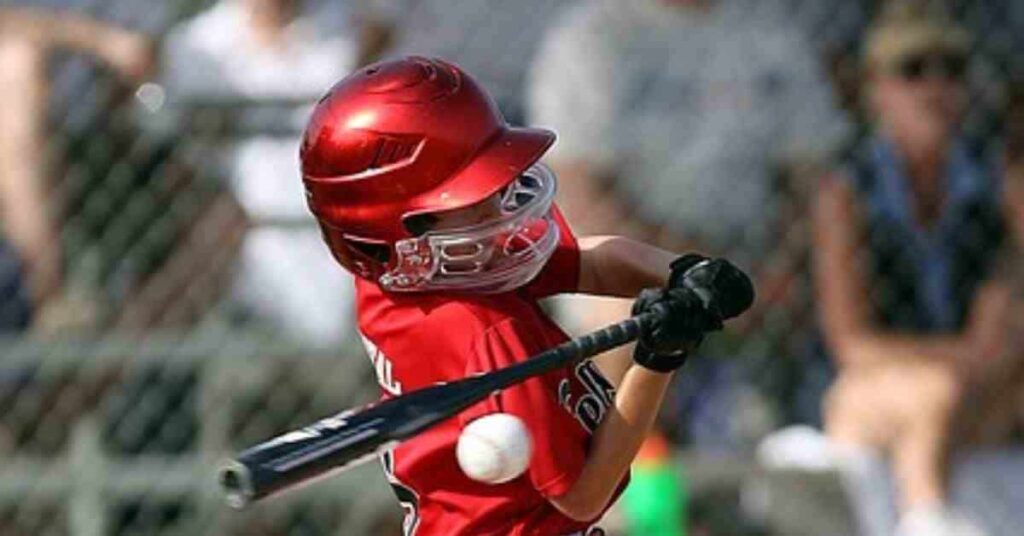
pixel 724 288
pixel 681 265
pixel 665 343
pixel 701 294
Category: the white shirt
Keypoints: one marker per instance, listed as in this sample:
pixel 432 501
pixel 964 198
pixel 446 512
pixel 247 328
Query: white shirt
pixel 286 275
pixel 690 108
pixel 493 40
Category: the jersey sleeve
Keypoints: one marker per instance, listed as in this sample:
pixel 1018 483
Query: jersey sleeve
pixel 559 441
pixel 561 274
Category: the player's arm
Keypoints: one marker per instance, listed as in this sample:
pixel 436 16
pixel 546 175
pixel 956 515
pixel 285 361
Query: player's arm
pixel 699 297
pixel 620 266
pixel 616 442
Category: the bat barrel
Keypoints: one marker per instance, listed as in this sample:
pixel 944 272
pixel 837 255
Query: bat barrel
pixel 236 481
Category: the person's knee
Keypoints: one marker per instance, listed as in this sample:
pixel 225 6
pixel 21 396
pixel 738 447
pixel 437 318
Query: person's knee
pixel 937 392
pixel 850 410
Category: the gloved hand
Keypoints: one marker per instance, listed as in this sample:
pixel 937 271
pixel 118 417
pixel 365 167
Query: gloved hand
pixel 680 265
pixel 701 293
pixel 665 343
pixel 724 288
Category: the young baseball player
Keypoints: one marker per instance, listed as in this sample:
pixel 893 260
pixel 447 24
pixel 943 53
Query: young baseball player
pixel 447 218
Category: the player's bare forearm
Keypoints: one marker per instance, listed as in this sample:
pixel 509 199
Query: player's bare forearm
pixel 620 266
pixel 684 317
pixel 615 443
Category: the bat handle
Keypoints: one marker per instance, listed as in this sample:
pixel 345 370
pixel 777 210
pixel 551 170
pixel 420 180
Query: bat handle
pixel 575 350
pixel 608 337
pixel 615 335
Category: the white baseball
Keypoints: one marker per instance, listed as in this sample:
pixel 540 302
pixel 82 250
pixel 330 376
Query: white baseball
pixel 494 448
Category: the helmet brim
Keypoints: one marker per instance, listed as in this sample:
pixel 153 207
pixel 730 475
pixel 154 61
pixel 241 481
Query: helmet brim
pixel 507 155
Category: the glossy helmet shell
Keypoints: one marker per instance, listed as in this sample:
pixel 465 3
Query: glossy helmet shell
pixel 402 138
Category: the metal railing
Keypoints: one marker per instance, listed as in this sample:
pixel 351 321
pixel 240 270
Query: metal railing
pixel 89 480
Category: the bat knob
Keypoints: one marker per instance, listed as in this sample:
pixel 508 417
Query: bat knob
pixel 236 481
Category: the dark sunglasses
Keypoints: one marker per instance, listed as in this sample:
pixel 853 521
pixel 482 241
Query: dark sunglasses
pixel 945 66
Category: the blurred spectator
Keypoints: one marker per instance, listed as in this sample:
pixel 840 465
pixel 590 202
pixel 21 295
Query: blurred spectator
pixel 991 408
pixel 907 236
pixel 268 62
pixel 493 39
pixel 688 123
pixel 15 301
pixel 29 247
pixel 27 231
pixel 102 175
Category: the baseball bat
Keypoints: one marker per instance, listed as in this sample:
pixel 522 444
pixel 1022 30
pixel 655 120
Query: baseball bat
pixel 349 438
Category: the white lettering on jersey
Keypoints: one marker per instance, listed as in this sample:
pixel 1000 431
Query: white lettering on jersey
pixel 382 366
pixel 590 407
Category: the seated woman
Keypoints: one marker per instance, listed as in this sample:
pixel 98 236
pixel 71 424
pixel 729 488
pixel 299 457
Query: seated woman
pixel 907 237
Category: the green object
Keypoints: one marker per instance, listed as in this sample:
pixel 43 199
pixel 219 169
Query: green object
pixel 654 503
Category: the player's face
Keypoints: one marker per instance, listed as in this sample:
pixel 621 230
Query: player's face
pixel 922 95
pixel 494 245
pixel 487 210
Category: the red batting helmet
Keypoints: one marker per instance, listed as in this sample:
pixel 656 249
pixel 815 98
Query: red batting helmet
pixel 415 136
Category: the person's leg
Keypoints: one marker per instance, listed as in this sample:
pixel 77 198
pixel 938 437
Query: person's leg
pixel 920 446
pixel 856 421
pixel 864 406
pixel 905 411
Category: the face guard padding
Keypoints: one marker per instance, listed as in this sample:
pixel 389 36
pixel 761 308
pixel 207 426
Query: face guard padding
pixel 495 256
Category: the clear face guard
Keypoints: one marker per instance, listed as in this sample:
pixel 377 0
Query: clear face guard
pixel 496 256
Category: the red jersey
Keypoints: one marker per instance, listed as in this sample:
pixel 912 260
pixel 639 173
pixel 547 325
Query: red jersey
pixel 418 340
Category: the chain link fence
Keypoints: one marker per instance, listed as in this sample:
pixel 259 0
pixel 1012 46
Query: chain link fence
pixel 192 310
